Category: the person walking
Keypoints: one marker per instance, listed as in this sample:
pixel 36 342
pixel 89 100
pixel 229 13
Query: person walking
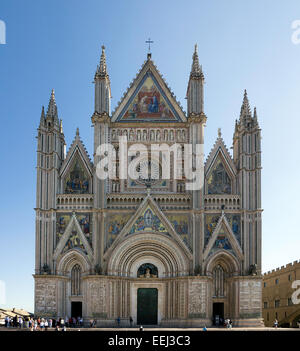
pixel 118 321
pixel 276 323
pixel 130 321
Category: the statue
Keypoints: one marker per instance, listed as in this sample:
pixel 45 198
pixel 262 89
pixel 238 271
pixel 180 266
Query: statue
pixel 46 269
pixel 147 275
pixel 197 270
pixel 98 269
pixel 253 269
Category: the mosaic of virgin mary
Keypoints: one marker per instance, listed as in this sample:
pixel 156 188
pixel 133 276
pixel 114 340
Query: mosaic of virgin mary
pixel 148 103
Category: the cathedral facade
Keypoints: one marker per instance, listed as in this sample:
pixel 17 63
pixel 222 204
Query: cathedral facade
pixel 147 247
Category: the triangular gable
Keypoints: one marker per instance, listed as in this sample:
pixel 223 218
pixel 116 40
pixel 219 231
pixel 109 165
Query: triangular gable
pixel 149 218
pixel 149 99
pixel 223 238
pixel 77 149
pixel 220 161
pixel 220 150
pixel 73 238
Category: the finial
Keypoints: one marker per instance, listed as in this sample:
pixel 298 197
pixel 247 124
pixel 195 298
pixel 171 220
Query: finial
pixel 52 108
pixel 245 109
pixel 219 133
pixel 77 132
pixel 101 68
pixel 196 70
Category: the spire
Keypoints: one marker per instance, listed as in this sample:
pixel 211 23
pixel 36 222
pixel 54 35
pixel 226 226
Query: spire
pixel 195 89
pixel 196 70
pixel 245 109
pixel 77 132
pixel 52 108
pixel 102 68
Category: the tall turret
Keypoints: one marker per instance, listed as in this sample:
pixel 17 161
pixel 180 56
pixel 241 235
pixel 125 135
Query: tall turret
pixel 247 158
pixel 102 86
pixel 50 154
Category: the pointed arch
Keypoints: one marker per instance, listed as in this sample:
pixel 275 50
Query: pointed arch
pixel 67 261
pixel 226 260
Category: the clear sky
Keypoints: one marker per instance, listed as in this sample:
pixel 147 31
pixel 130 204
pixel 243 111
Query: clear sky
pixel 57 44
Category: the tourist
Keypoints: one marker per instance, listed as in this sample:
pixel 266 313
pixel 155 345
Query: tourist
pixel 276 323
pixel 20 322
pixel 118 321
pixel 42 324
pixel 130 321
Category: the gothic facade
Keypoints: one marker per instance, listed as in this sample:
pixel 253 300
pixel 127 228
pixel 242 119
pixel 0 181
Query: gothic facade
pixel 149 249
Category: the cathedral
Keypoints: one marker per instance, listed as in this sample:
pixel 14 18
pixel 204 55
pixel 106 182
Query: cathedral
pixel 148 249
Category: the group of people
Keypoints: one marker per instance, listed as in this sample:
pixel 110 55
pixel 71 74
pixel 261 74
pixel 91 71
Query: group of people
pixel 43 323
pixel 219 322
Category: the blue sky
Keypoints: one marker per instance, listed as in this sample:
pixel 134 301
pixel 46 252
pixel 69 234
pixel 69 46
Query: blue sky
pixel 57 44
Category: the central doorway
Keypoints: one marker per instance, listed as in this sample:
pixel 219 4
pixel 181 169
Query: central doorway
pixel 218 313
pixel 76 309
pixel 147 305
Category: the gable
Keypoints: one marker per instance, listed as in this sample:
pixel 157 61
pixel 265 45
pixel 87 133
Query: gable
pixel 75 235
pixel 148 99
pixel 148 221
pixel 223 238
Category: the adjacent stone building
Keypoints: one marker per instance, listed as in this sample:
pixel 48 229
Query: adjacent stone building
pixel 148 247
pixel 277 296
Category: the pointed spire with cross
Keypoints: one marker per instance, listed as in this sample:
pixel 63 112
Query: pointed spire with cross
pixel 149 42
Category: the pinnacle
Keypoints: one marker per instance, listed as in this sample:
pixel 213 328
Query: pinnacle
pixel 52 108
pixel 196 70
pixel 245 109
pixel 102 68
